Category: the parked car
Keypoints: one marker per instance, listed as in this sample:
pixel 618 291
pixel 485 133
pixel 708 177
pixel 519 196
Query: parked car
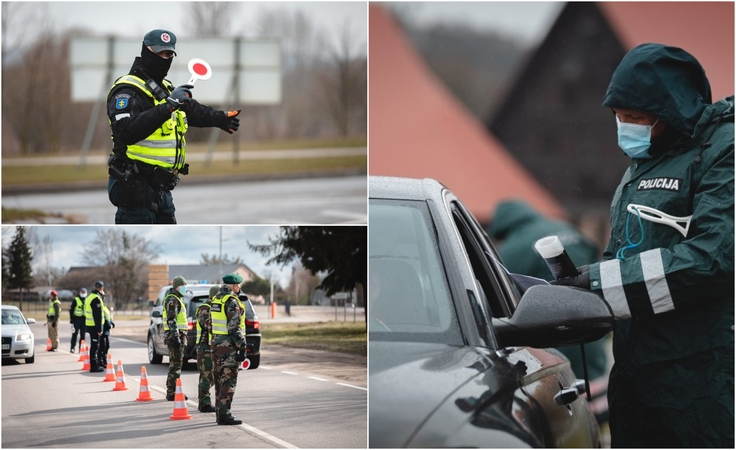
pixel 195 296
pixel 457 355
pixel 18 339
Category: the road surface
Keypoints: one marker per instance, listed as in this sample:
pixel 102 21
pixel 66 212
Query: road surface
pixel 53 403
pixel 296 201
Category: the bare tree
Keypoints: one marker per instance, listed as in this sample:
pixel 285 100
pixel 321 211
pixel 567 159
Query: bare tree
pixel 302 284
pixel 125 258
pixel 211 19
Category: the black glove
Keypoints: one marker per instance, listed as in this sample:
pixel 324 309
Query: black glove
pixel 230 122
pixel 174 341
pixel 179 97
pixel 581 281
pixel 240 356
pixel 113 324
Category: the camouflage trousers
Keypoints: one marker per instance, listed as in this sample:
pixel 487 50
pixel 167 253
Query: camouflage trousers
pixel 206 377
pixel 226 378
pixel 53 334
pixel 176 359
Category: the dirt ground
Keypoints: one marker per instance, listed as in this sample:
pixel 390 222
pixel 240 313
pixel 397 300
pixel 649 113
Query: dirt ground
pixel 340 366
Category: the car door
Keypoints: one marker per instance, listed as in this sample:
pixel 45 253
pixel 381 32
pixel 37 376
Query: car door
pixel 542 374
pixel 158 323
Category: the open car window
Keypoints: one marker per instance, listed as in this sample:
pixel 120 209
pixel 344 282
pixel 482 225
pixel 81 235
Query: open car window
pixel 409 295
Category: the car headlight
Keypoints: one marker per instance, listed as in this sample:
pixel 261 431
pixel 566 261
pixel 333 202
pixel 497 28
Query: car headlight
pixel 23 337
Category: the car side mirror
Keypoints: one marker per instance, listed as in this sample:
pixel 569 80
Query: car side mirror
pixel 30 320
pixel 156 313
pixel 151 303
pixel 550 316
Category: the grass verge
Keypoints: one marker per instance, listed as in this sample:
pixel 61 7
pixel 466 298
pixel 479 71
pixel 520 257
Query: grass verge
pixel 346 337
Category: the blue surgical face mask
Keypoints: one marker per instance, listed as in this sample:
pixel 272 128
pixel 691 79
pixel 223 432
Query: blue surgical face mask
pixel 182 289
pixel 635 139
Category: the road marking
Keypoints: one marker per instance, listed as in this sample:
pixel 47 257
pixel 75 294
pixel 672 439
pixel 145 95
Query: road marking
pixel 290 373
pixel 128 340
pixel 266 367
pixel 318 379
pixel 356 387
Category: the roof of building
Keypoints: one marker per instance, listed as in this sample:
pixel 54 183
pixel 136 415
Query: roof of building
pixel 418 129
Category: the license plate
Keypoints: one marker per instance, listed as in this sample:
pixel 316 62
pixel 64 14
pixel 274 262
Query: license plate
pixel 6 346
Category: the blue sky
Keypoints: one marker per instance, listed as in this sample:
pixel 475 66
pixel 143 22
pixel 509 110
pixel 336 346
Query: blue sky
pixel 181 244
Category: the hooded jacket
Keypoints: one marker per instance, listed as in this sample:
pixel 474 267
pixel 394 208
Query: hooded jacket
pixel 673 294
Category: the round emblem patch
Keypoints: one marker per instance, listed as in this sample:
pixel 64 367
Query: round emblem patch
pixel 165 37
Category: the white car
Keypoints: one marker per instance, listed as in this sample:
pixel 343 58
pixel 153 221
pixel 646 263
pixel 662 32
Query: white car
pixel 18 338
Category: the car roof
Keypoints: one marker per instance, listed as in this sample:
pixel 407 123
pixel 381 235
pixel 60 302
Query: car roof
pixel 404 188
pixel 10 307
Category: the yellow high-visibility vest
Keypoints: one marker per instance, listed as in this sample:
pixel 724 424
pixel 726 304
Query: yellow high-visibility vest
pixel 78 307
pixel 219 317
pixel 51 307
pixel 160 148
pixel 199 327
pixel 89 319
pixel 181 316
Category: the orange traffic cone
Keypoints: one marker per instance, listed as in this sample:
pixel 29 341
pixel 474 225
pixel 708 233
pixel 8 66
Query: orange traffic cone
pixel 120 384
pixel 144 395
pixel 180 404
pixel 109 374
pixel 82 351
pixel 86 361
pixel 48 345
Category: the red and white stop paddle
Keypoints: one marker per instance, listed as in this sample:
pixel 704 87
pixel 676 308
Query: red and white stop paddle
pixel 246 364
pixel 199 69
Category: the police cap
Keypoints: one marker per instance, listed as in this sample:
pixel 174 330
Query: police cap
pixel 160 40
pixel 232 278
pixel 99 284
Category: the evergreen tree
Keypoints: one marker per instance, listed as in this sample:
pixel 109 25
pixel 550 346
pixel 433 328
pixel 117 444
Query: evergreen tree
pixel 19 258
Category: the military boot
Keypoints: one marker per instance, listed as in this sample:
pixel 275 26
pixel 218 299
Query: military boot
pixel 207 409
pixel 229 421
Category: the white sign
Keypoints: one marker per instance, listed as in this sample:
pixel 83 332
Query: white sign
pixel 258 61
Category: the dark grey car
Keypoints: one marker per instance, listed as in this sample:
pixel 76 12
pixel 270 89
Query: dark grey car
pixel 452 341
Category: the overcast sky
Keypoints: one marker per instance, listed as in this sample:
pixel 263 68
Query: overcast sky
pixel 181 244
pixel 135 19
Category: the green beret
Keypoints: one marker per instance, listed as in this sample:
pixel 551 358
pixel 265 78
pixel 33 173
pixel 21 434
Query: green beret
pixel 232 278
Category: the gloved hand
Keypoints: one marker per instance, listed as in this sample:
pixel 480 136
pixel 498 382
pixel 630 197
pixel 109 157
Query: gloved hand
pixel 113 324
pixel 230 122
pixel 174 341
pixel 240 356
pixel 179 97
pixel 582 280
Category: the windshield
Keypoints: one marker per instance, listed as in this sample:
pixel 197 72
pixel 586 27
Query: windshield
pixel 11 317
pixel 409 297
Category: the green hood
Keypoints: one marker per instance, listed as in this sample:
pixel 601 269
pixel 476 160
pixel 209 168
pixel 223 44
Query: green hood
pixel 510 215
pixel 666 82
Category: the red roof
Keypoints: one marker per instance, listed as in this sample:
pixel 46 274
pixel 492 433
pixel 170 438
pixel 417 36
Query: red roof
pixel 418 129
pixel 703 29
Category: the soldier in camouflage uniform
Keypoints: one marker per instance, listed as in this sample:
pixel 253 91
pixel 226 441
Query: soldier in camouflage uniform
pixel 204 353
pixel 228 345
pixel 175 332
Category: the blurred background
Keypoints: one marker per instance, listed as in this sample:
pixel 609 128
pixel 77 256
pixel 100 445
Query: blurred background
pixel 502 100
pixel 323 104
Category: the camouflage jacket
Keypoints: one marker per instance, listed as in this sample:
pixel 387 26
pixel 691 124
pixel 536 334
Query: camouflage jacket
pixel 224 346
pixel 204 319
pixel 172 305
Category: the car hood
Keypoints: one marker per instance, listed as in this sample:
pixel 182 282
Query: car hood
pixel 11 330
pixel 409 381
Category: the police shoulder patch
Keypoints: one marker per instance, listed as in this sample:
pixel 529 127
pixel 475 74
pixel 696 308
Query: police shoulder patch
pixel 121 101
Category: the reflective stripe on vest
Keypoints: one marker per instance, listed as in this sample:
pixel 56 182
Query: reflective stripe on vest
pixel 181 316
pixel 51 307
pixel 78 307
pixel 199 327
pixel 219 318
pixel 89 318
pixel 160 148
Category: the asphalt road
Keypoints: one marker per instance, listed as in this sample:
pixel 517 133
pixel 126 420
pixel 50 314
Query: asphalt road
pixel 326 200
pixel 53 403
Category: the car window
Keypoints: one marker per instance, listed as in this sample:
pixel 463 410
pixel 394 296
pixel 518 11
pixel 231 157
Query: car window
pixel 409 295
pixel 10 317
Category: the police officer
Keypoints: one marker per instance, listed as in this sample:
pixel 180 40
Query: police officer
pixel 52 320
pixel 228 345
pixel 204 353
pixel 670 286
pixel 149 118
pixel 94 322
pixel 106 327
pixel 175 332
pixel 76 318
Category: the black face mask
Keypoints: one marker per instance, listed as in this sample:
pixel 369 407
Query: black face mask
pixel 155 66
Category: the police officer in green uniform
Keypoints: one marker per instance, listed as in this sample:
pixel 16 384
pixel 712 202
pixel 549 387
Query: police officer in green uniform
pixel 94 323
pixel 149 118
pixel 52 320
pixel 204 353
pixel 670 285
pixel 175 332
pixel 76 318
pixel 228 344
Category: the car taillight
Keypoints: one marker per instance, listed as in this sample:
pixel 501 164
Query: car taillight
pixel 253 323
pixel 190 325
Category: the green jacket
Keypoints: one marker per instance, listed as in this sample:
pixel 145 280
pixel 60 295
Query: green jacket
pixel 517 226
pixel 673 295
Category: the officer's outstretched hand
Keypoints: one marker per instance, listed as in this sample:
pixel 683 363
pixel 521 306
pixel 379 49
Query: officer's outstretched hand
pixel 179 97
pixel 230 122
pixel 581 281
